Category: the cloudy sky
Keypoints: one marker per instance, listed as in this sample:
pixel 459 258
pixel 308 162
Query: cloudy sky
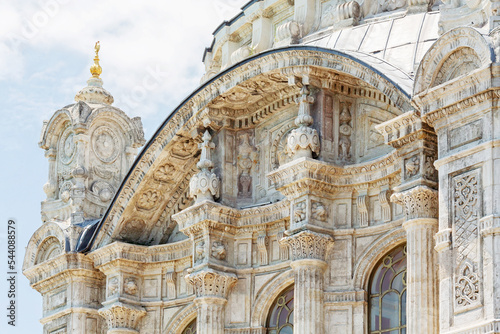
pixel 46 48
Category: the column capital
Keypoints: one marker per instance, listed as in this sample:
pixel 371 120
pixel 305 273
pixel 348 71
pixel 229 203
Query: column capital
pixel 122 318
pixel 418 202
pixel 308 245
pixel 209 283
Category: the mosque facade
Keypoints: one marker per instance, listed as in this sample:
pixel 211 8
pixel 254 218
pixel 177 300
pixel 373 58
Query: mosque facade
pixel 336 171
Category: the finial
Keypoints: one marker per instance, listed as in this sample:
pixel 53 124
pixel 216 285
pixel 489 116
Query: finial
pixel 96 69
pixel 205 184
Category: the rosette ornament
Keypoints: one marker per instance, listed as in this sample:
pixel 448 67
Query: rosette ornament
pixel 205 185
pixel 304 140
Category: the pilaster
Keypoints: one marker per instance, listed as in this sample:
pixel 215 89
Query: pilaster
pixel 417 193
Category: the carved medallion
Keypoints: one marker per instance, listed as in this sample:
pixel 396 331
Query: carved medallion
pixel 105 144
pixel 148 200
pixel 164 173
pixel 66 147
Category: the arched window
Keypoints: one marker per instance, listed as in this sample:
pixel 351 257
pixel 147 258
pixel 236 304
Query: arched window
pixel 191 328
pixel 388 294
pixel 280 320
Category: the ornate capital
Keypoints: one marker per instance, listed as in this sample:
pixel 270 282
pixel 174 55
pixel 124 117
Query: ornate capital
pixel 308 245
pixel 304 141
pixel 418 202
pixel 209 283
pixel 205 185
pixel 122 316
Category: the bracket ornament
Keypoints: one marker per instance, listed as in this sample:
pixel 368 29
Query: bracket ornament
pixel 205 185
pixel 304 141
pixel 208 283
pixel 309 245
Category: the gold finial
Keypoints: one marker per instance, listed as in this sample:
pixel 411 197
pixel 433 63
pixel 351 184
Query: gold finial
pixel 96 69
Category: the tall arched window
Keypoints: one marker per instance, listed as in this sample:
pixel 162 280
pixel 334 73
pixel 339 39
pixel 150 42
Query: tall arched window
pixel 388 294
pixel 280 320
pixel 191 328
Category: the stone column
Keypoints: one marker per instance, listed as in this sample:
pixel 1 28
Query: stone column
pixel 421 225
pixel 211 288
pixel 309 251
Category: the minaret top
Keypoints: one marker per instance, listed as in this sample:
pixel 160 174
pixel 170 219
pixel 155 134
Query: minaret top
pixel 94 93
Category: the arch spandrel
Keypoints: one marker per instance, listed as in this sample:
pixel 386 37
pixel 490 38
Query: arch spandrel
pixel 443 59
pixel 143 198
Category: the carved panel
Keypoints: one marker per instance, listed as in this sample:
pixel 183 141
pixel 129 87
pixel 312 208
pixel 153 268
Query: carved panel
pixel 345 132
pixel 465 134
pixel 105 144
pixel 466 207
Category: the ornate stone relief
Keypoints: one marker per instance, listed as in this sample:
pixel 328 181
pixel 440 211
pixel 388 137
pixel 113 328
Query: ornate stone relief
pixel 345 131
pixel 130 286
pixel 205 185
pixel 218 250
pixel 103 190
pixel 164 173
pixel 247 158
pixel 208 283
pixel 309 245
pixel 105 144
pixel 383 199
pixel 149 200
pixel 304 141
pixel 262 247
pixel 67 147
pixel 284 250
pixel 113 286
pixel 412 166
pixel 429 171
pixel 299 212
pixel 200 252
pixel 318 211
pixel 418 202
pixel 362 205
pixel 121 316
pixel 171 278
pixel 132 230
pixel 466 213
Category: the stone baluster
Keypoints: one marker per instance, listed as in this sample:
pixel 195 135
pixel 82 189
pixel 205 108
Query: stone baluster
pixel 211 289
pixel 309 251
pixel 421 225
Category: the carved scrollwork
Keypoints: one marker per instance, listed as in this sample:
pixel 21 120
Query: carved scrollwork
pixel 299 212
pixel 113 285
pixel 466 286
pixel 218 250
pixel 130 286
pixel 412 166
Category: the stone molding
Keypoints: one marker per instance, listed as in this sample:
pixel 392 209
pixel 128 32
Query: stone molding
pixel 418 202
pixel 210 283
pixel 309 245
pixel 122 316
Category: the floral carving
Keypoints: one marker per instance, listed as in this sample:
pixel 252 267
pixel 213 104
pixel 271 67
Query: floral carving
pixel 148 200
pixel 466 212
pixel 164 173
pixel 218 250
pixel 299 212
pixel 412 166
pixel 466 286
pixel 130 286
pixel 318 211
